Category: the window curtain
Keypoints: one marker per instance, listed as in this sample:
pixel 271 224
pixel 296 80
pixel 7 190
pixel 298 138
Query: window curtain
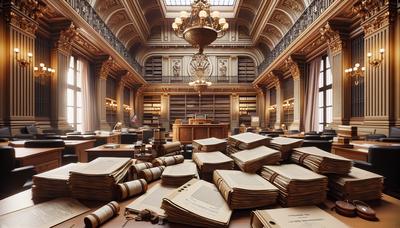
pixel 311 96
pixel 89 99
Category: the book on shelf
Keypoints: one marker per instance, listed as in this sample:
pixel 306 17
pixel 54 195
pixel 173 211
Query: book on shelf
pixel 197 203
pixel 321 161
pixel 252 160
pixel 244 190
pixel 294 217
pixel 297 186
pixel 359 184
pixel 248 140
pixel 285 145
pixel 179 174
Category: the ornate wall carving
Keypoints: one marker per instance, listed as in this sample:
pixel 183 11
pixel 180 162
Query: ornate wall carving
pixel 66 38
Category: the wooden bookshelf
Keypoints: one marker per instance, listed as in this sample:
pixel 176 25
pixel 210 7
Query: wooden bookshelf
pixel 216 107
pixel 272 119
pixel 153 69
pixel 151 110
pixel 246 69
pixel 288 112
pixel 247 108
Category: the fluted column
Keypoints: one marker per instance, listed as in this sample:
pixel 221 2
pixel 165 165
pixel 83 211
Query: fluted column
pixel 279 102
pixel 139 105
pixel 164 112
pixel 17 87
pixel 234 111
pixel 267 105
pixel 120 98
pixel 378 25
pixel 60 60
pixel 260 106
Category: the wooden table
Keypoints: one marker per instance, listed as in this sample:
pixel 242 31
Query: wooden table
pixel 100 139
pixel 78 146
pixel 43 159
pixel 388 211
pixel 125 150
pixel 186 133
pixel 358 149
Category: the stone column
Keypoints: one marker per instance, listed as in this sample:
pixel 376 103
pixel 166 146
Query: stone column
pixel 296 68
pixel 279 102
pixel 260 106
pixel 377 20
pixel 164 112
pixel 102 69
pixel 17 89
pixel 60 58
pixel 267 105
pixel 120 96
pixel 234 111
pixel 139 105
pixel 336 35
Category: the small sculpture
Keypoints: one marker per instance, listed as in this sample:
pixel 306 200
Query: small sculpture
pixel 222 69
pixel 176 69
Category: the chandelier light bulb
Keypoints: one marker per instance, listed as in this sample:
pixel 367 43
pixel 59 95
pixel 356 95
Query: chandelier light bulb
pixel 178 21
pixel 357 65
pixel 184 15
pixel 222 21
pixel 203 14
pixel 174 26
pixel 225 26
pixel 215 14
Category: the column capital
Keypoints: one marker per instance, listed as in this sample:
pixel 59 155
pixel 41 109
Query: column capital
pixel 293 68
pixel 335 33
pixel 367 9
pixel 67 36
pixel 103 67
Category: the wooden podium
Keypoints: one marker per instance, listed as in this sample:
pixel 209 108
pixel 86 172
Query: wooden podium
pixel 186 133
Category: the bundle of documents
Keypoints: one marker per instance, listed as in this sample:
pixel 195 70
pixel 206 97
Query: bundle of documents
pixel 294 217
pixel 166 161
pixel 231 150
pixel 321 161
pixel 248 140
pixel 253 159
pixel 297 186
pixel 209 145
pixel 357 185
pixel 53 183
pixel 244 190
pixel 136 168
pixel 172 147
pixel 98 179
pixel 177 175
pixel 131 188
pixel 285 145
pixel 197 203
pixel 102 215
pixel 151 200
pixel 152 174
pixel 210 161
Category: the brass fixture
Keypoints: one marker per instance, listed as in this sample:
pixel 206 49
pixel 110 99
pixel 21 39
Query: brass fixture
pixel 356 72
pixel 23 62
pixel 376 61
pixel 42 70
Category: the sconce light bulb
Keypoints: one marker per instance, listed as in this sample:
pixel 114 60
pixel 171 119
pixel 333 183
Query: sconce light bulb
pixel 16 50
pixel 49 69
pixel 382 50
pixel 363 68
pixel 41 64
pixel 44 68
pixel 35 68
pixel 357 65
pixel 369 54
pixel 30 55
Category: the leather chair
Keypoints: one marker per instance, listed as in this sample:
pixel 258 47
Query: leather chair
pixel 375 137
pixel 312 137
pixel 147 135
pixel 384 161
pixel 311 133
pixel 44 143
pixel 13 178
pixel 129 138
pixel 272 135
pixel 33 132
pixel 394 135
pixel 5 134
pixel 292 132
pixel 321 144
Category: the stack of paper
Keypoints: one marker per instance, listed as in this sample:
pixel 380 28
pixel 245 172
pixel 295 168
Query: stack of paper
pixel 253 159
pixel 177 175
pixel 248 140
pixel 209 145
pixel 97 180
pixel 294 217
pixel 197 203
pixel 53 183
pixel 321 161
pixel 166 161
pixel 285 145
pixel 297 186
pixel 210 161
pixel 357 185
pixel 244 190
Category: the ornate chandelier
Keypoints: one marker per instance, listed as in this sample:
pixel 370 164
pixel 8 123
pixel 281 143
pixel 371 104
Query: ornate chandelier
pixel 200 28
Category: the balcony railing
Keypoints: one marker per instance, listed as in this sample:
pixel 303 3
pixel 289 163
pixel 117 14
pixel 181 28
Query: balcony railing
pixel 86 11
pixel 187 79
pixel 313 11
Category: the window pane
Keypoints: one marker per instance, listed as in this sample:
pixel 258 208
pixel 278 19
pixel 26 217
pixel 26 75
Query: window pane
pixel 70 97
pixel 321 68
pixel 320 115
pixel 329 97
pixel 320 127
pixel 321 79
pixel 70 115
pixel 71 62
pixel 79 127
pixel 79 115
pixel 328 77
pixel 70 77
pixel 328 64
pixel 329 115
pixel 79 99
pixel 321 99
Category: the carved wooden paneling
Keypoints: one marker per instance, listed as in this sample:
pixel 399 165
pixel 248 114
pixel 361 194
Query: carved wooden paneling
pixel 357 91
pixel 288 88
pixel 42 83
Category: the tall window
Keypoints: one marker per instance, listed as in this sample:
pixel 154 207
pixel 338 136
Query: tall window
pixel 325 94
pixel 74 94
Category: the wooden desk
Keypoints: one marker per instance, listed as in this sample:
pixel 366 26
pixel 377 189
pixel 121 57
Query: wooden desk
pixel 125 150
pixel 387 210
pixel 359 150
pixel 100 139
pixel 78 146
pixel 43 159
pixel 186 133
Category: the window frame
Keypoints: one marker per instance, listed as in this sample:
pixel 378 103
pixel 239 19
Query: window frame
pixel 324 89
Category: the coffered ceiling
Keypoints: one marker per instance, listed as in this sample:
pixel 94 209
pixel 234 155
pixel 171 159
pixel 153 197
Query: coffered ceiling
pixel 265 21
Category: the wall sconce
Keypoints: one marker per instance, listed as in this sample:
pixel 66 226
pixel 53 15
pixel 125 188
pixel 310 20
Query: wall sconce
pixel 127 108
pixel 376 62
pixel 23 62
pixel 288 104
pixel 42 70
pixel 272 108
pixel 111 104
pixel 356 72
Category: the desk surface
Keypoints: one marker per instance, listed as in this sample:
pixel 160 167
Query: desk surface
pixel 388 211
pixel 122 147
pixel 70 143
pixel 23 152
